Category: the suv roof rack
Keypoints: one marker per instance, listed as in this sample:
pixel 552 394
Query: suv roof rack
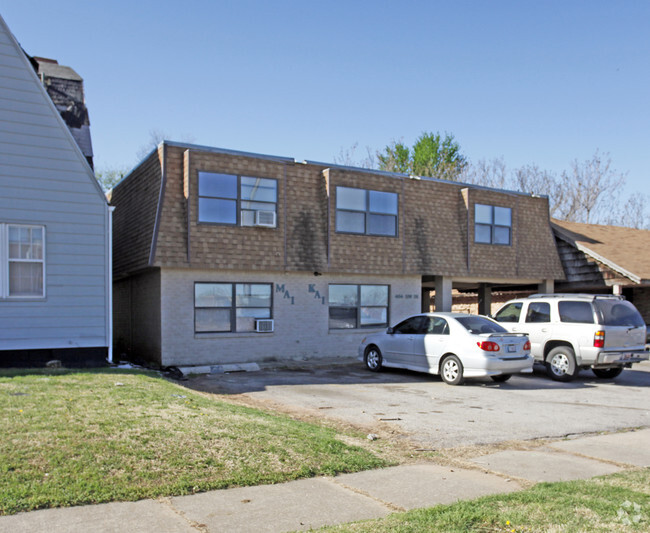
pixel 576 295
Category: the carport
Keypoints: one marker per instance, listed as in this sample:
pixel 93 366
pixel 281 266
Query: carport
pixel 443 293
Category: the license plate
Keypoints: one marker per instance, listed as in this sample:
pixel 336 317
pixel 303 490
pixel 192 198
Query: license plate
pixel 511 348
pixel 625 356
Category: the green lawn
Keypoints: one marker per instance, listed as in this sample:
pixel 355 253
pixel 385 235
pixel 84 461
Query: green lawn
pixel 73 437
pixel 619 502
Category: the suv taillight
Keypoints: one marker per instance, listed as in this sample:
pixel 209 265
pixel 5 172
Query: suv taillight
pixel 488 346
pixel 599 339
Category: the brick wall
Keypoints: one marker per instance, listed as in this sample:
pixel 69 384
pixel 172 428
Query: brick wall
pixel 300 311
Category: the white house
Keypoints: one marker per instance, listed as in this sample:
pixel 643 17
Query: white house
pixel 55 230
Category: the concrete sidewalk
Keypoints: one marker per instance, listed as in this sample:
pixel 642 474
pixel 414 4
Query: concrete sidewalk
pixel 312 503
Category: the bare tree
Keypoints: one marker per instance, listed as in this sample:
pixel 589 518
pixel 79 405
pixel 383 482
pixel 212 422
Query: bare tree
pixel 590 190
pixel 632 214
pixel 533 180
pixel 492 173
pixel 155 138
pixel 347 157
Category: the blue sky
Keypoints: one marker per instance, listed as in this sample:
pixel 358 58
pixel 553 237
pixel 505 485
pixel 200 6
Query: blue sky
pixel 540 82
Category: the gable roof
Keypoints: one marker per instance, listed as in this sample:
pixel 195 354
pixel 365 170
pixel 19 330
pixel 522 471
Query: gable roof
pixel 31 121
pixel 624 250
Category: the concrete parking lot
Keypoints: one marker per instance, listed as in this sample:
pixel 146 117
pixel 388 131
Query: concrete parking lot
pixel 435 415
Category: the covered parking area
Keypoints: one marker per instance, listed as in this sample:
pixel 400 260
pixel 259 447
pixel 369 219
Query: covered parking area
pixel 447 293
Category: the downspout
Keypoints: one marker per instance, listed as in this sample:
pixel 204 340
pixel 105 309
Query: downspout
pixel 109 298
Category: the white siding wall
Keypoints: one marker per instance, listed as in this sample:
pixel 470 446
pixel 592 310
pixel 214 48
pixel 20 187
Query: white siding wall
pixel 301 319
pixel 44 180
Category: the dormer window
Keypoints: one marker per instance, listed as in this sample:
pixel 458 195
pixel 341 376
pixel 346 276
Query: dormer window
pixel 492 224
pixel 366 212
pixel 237 200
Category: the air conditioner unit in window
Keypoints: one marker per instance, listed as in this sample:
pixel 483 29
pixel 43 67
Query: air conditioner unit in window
pixel 265 218
pixel 264 325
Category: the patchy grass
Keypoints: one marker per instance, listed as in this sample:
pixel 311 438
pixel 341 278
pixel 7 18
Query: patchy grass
pixel 618 502
pixel 77 437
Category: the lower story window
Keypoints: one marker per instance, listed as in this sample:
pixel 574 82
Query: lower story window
pixel 22 261
pixel 230 307
pixel 357 306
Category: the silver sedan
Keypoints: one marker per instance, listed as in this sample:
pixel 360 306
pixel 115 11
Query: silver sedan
pixel 454 345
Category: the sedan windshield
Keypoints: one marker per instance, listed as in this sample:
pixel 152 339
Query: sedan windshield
pixel 479 324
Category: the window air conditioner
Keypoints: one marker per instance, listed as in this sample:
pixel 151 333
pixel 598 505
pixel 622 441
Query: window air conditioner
pixel 264 325
pixel 265 218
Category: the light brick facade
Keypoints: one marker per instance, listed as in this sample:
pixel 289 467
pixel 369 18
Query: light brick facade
pixel 159 239
pixel 300 312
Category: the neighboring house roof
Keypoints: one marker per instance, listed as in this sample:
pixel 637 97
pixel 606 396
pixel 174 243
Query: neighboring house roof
pixel 66 90
pixel 623 250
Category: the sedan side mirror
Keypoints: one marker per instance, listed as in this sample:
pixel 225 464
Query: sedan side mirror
pixel 389 331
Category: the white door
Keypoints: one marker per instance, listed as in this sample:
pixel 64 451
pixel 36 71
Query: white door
pixel 433 345
pixel 535 321
pixel 398 347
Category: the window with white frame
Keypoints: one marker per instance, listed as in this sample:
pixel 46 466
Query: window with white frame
pixel 492 224
pixel 366 212
pixel 357 306
pixel 230 307
pixel 237 200
pixel 22 261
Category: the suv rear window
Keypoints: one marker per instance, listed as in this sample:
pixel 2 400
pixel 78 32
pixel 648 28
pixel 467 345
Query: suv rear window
pixel 618 313
pixel 576 312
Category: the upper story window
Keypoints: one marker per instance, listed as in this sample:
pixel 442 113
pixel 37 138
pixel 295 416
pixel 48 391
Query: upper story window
pixel 237 200
pixel 22 261
pixel 492 224
pixel 366 212
pixel 356 306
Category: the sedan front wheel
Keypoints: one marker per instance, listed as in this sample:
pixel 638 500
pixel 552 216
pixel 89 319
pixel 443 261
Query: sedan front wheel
pixel 373 359
pixel 451 370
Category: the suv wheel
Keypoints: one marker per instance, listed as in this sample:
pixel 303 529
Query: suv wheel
pixel 561 364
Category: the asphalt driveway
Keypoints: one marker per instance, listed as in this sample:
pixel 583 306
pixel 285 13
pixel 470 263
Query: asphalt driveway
pixel 424 409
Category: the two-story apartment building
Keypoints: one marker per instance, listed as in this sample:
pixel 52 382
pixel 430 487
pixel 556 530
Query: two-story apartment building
pixel 230 258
